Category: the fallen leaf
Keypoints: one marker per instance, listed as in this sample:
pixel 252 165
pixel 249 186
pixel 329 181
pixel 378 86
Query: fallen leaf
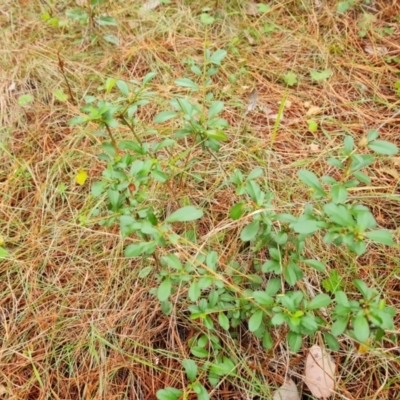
pixel 252 9
pixel 314 110
pixel 252 101
pixel 81 177
pixel 12 87
pixel 314 148
pixel 376 50
pixel 319 373
pixel 288 391
pixel 150 5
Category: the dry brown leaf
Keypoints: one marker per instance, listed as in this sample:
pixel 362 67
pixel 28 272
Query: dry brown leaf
pixel 376 50
pixel 314 148
pixel 150 5
pixel 319 373
pixel 252 101
pixel 288 391
pixel 252 9
pixel 313 110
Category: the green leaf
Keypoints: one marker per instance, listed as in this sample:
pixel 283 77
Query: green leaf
pixel 267 341
pixel 310 179
pixel 187 83
pixel 339 214
pixel 255 320
pixel 321 76
pixel 255 173
pixel 223 321
pixel 237 211
pixel 381 236
pixel 173 261
pixel 217 57
pixel 295 340
pixel 305 226
pixel 383 147
pixel 206 19
pixel 216 135
pixel 114 197
pixel 348 144
pixel 201 391
pixel 184 214
pixel 273 286
pixel 198 351
pixel 110 38
pixel 106 20
pixel 60 95
pixel 148 77
pixel 194 291
pixel 372 135
pixel 196 70
pixel 331 341
pixel 25 99
pixel 164 116
pixel 159 176
pixel 3 253
pixel 169 394
pixel 339 326
pixel 123 87
pixel 145 271
pixel 361 328
pixel 215 108
pixel 290 78
pixel 98 188
pixel 319 301
pixel 317 265
pixel 339 193
pixel 343 6
pixel 77 15
pixel 263 298
pixel 190 369
pixel 134 250
pixel 164 290
pixel 312 125
pixel 250 231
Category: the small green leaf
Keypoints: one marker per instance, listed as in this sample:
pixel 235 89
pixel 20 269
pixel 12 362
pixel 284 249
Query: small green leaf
pixel 305 226
pixel 331 341
pixel 361 328
pixel 339 214
pixel 184 214
pixel 169 394
pixel 3 253
pixel 25 99
pixel 98 188
pixel 201 391
pixel 310 179
pixel 106 21
pixel 217 57
pixel 255 320
pixel 164 116
pixel 190 369
pixel 383 147
pixel 215 108
pixel 194 291
pixel 148 77
pixel 295 340
pixel 164 290
pixel 290 78
pixel 321 76
pixel 223 321
pixel 312 125
pixel 60 95
pixel 216 135
pixel 263 298
pixel 372 135
pixel 173 261
pixel 187 83
pixel 381 236
pixel 134 250
pixel 145 271
pixel 339 326
pixel 237 211
pixel 339 193
pixel 250 231
pixel 343 6
pixel 319 301
pixel 317 265
pixel 206 19
pixel 198 351
pixel 110 38
pixel 123 87
pixel 267 341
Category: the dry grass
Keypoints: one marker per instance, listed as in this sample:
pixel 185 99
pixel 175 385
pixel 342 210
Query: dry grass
pixel 76 321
